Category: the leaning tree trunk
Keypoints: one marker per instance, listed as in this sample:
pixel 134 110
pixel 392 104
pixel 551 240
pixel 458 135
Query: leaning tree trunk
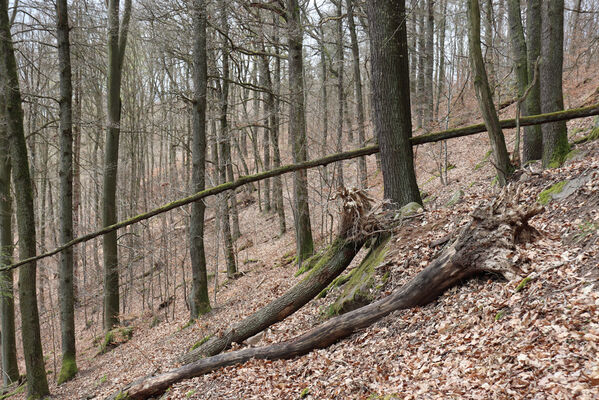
pixel 329 265
pixel 483 245
pixel 37 382
pixel 485 96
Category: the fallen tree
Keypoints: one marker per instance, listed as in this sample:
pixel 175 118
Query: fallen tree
pixel 484 244
pixel 347 155
pixel 356 218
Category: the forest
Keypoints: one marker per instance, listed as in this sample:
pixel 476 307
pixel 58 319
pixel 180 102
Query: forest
pixel 361 199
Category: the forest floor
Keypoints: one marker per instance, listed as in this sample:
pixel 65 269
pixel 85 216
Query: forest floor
pixel 483 339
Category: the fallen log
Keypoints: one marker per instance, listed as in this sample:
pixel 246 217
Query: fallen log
pixel 347 155
pixel 332 262
pixel 483 245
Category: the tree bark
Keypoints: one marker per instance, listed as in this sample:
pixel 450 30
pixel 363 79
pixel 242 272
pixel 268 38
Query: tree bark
pixel 391 99
pixel 362 168
pixel 555 135
pixel 485 97
pixel 340 71
pixel 297 131
pixel 276 129
pixel 117 41
pixel 199 300
pixel 483 245
pixel 37 383
pixel 532 148
pixel 65 272
pixel 10 367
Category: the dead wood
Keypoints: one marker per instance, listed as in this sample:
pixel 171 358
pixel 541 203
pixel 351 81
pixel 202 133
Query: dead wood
pixel 482 245
pixel 356 219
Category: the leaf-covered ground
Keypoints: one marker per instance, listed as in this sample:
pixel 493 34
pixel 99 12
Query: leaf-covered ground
pixel 487 338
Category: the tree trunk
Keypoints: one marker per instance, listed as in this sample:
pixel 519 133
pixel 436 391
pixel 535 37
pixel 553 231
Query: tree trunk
pixel 391 99
pixel 362 169
pixel 30 325
pixel 277 181
pixel 485 97
pixel 532 148
pixel 347 155
pixel 65 272
pixel 10 367
pixel 199 299
pixel 117 41
pixel 340 70
pixel 297 131
pixel 485 244
pixel 429 64
pixel 555 135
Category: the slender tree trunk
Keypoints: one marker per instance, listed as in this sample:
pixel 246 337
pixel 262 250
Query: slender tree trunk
pixel 297 131
pixel 555 135
pixel 117 41
pixel 485 97
pixel 532 148
pixel 429 61
pixel 224 153
pixel 441 71
pixel 30 325
pixel 340 60
pixel 490 45
pixel 10 367
pixel 199 301
pixel 277 180
pixel 420 80
pixel 362 169
pixel 65 272
pixel 520 56
pixel 391 99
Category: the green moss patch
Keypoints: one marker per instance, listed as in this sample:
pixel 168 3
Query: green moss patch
pixel 200 342
pixel 115 337
pixel 547 195
pixel 68 370
pixel 359 288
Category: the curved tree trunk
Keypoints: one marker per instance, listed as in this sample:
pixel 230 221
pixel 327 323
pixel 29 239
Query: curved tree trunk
pixel 483 245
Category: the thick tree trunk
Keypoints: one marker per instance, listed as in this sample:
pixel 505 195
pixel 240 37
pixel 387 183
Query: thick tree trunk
pixel 10 367
pixel 297 131
pixel 485 97
pixel 65 273
pixel 391 99
pixel 532 148
pixel 483 245
pixel 555 135
pixel 37 383
pixel 199 300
